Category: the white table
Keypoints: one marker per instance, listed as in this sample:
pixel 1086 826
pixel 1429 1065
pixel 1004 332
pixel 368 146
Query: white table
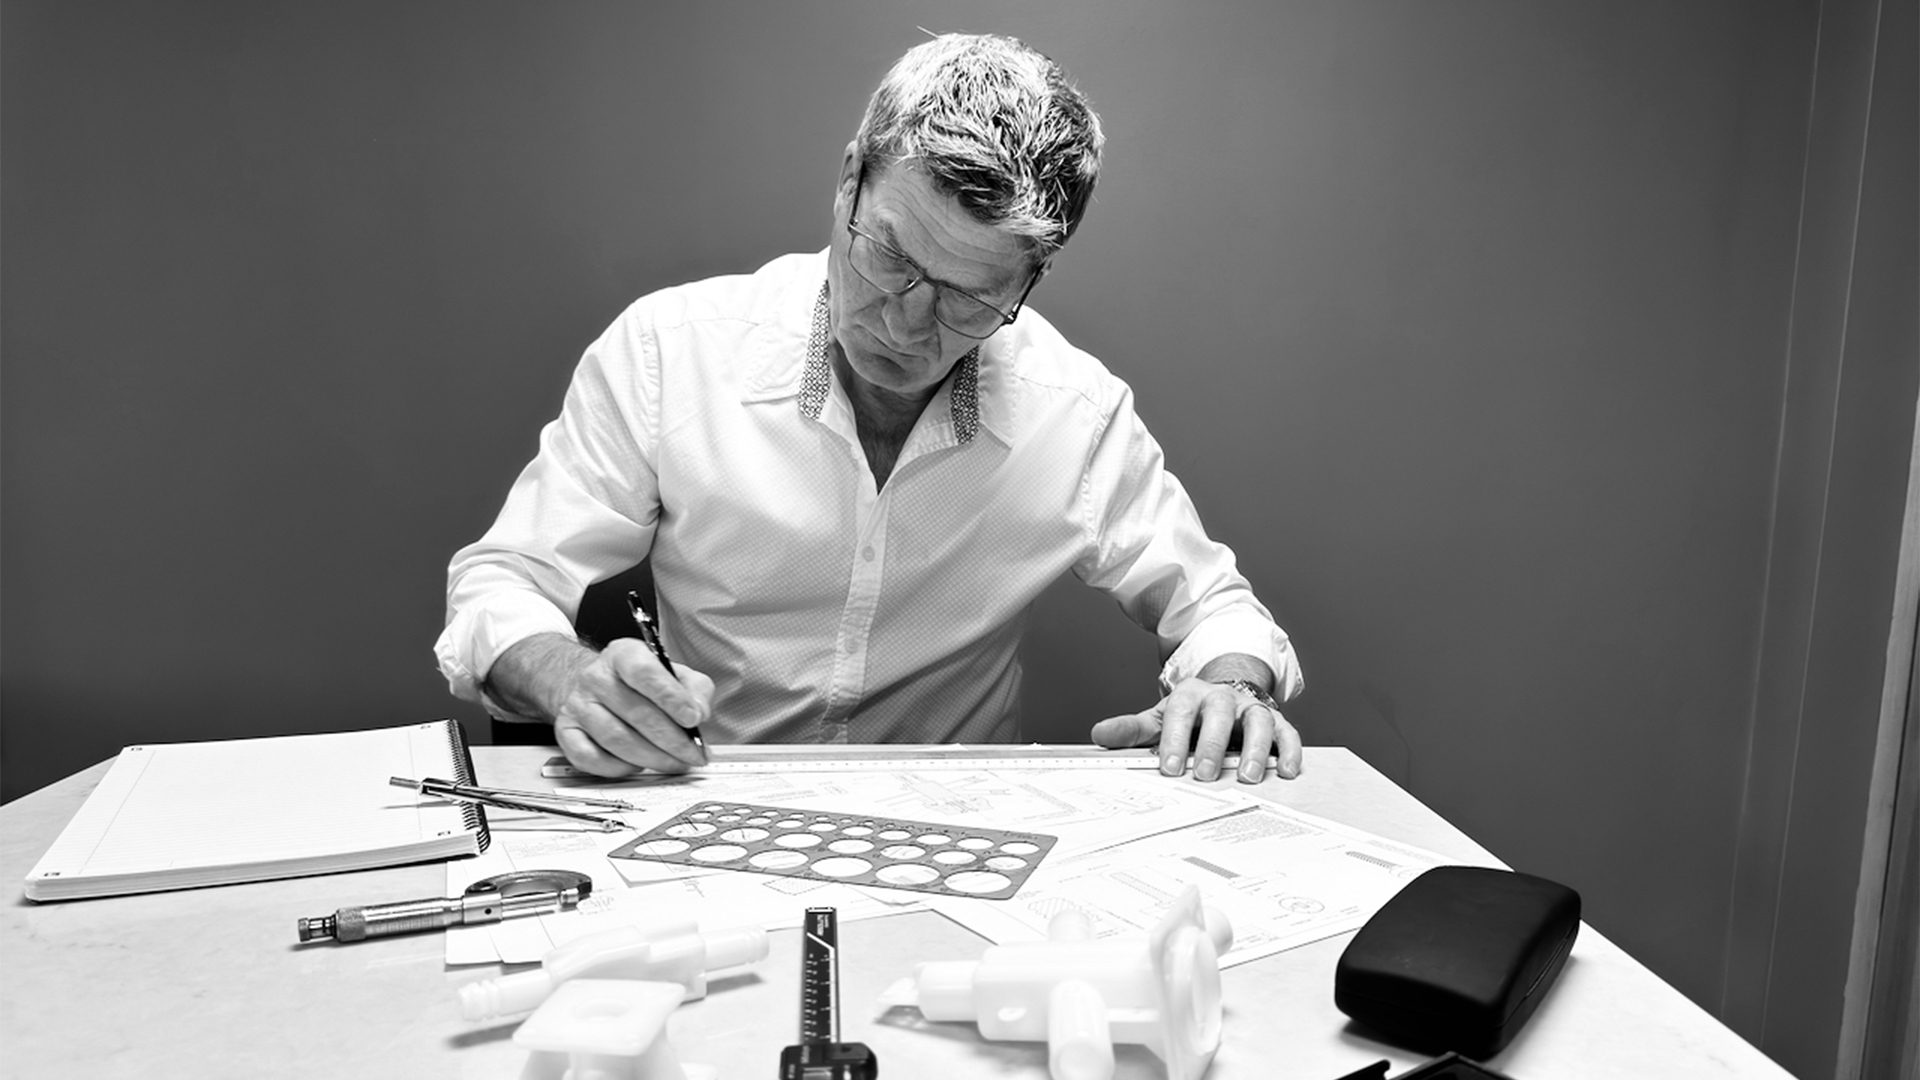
pixel 211 982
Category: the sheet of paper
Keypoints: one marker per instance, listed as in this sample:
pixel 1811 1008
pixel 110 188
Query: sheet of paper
pixel 630 892
pixel 1086 808
pixel 1283 878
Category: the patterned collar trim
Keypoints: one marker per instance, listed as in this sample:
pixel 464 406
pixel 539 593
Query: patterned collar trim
pixel 963 400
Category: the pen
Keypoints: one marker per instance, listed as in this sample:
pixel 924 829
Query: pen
pixel 433 786
pixel 461 792
pixel 520 892
pixel 651 635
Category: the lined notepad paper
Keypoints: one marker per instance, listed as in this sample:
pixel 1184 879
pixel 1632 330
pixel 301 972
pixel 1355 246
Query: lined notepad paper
pixel 184 815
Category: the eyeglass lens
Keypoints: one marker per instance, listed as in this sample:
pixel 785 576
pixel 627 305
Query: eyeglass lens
pixel 887 271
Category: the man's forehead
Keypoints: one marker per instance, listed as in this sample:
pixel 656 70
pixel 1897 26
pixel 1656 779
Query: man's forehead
pixel 903 206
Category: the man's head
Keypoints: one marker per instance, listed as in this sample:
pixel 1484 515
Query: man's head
pixel 975 161
pixel 994 125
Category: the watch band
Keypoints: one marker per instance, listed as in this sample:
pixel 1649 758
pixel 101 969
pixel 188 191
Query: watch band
pixel 1254 691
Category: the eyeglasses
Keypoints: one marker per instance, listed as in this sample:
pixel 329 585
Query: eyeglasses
pixel 888 269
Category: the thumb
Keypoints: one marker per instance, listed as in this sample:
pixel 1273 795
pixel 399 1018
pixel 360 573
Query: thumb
pixel 1120 732
pixel 700 685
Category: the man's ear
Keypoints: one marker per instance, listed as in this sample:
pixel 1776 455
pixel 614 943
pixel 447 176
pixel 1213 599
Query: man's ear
pixel 849 176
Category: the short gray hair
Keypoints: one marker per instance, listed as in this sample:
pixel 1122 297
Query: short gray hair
pixel 996 126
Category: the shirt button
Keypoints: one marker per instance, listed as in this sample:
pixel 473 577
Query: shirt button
pixel 867 553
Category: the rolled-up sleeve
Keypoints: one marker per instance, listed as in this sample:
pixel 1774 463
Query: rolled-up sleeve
pixel 1146 548
pixel 583 509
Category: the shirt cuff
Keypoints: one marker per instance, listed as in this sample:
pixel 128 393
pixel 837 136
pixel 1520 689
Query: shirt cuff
pixel 1235 632
pixel 477 634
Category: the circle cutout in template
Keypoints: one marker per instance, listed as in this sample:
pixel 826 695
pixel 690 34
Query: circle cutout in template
pixel 893 834
pixel 797 839
pixel 1005 862
pixel 760 819
pixel 953 858
pixel 777 860
pixel 858 830
pixel 907 874
pixel 975 843
pixel 743 835
pixel 788 823
pixel 851 847
pixel 977 881
pixel 841 866
pixel 729 818
pixel 661 847
pixel 690 828
pixel 1019 847
pixel 700 815
pixel 903 851
pixel 822 826
pixel 719 852
pixel 934 839
pixel 713 808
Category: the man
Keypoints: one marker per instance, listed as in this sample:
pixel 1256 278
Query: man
pixel 854 471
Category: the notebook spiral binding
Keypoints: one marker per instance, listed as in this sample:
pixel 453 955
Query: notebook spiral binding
pixel 474 814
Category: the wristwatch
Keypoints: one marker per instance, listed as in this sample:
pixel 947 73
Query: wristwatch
pixel 1252 690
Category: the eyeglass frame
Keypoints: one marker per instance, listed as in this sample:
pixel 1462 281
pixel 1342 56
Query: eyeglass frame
pixel 921 275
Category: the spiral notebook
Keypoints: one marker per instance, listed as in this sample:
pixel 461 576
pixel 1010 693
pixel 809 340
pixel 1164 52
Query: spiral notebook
pixel 186 815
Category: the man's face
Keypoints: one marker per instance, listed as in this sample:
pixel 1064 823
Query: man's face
pixel 895 343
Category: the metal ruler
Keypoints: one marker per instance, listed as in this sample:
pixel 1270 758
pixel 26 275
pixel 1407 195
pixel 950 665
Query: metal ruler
pixel 820 1055
pixel 762 759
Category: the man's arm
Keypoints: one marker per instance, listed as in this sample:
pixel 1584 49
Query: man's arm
pixel 1149 551
pixel 611 710
pixel 1218 708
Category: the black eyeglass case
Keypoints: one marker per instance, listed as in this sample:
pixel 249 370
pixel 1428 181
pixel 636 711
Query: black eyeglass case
pixel 1458 959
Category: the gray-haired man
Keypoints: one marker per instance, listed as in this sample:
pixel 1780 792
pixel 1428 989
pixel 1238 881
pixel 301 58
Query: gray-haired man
pixel 853 472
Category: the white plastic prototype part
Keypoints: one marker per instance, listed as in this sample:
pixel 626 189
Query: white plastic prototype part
pixel 605 1029
pixel 1081 996
pixel 673 951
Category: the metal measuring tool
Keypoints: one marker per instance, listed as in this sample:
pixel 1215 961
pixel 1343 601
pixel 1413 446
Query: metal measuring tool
pixel 521 892
pixel 534 802
pixel 820 1055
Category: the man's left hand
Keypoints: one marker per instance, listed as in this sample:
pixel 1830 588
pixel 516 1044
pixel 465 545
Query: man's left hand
pixel 1217 709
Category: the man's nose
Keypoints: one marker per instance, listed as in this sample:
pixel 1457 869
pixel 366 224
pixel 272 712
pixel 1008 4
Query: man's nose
pixel 909 315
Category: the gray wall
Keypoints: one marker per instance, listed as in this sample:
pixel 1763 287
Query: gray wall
pixel 1466 324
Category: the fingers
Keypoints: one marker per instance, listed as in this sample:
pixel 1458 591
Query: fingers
pixel 640 671
pixel 626 711
pixel 1264 732
pixel 1121 732
pixel 1256 740
pixel 584 753
pixel 1203 715
pixel 1217 714
pixel 1292 757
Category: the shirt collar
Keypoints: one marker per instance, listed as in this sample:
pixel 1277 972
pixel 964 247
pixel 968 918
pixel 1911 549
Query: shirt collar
pixel 963 397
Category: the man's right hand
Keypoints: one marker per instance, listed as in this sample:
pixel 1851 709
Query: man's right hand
pixel 613 712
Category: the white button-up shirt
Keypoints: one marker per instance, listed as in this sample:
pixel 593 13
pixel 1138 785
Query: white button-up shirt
pixel 705 431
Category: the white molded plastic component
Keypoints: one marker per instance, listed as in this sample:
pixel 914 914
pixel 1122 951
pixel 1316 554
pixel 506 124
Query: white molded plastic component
pixel 605 1029
pixel 673 952
pixel 1082 995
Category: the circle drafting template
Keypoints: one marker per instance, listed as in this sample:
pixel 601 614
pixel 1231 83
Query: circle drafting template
pixel 852 849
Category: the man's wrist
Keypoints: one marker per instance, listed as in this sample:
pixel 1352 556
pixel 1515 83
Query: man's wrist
pixel 534 676
pixel 1254 692
pixel 1239 667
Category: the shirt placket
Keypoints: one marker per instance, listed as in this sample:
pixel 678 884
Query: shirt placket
pixel 868 559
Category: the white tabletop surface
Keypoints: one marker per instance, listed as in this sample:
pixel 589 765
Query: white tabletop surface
pixel 210 982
